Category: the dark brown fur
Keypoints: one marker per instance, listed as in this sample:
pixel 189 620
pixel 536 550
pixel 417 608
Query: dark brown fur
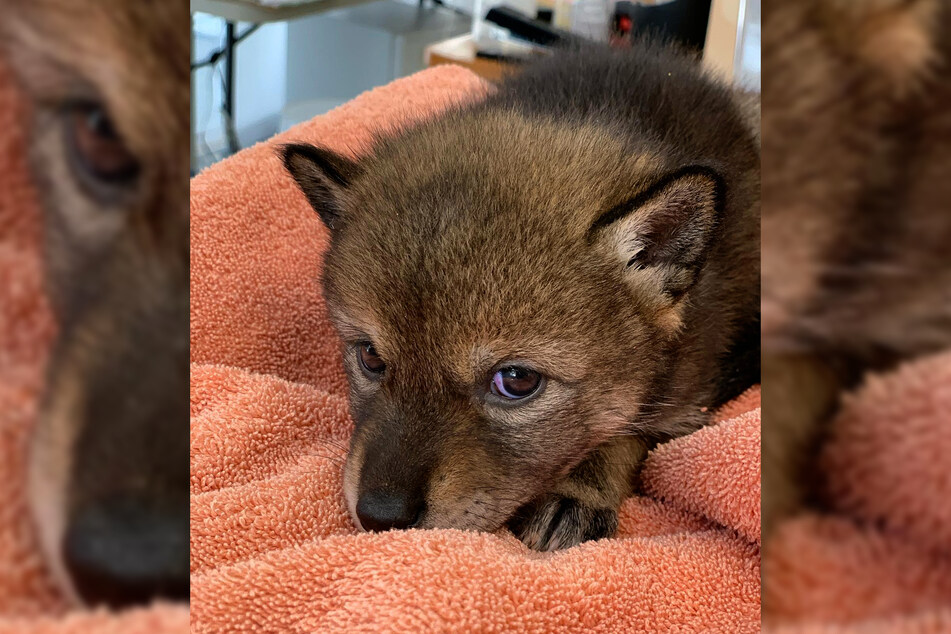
pixel 109 464
pixel 856 265
pixel 596 219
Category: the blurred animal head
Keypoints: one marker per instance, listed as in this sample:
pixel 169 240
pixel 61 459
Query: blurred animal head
pixel 109 140
pixel 856 132
pixel 856 268
pixel 496 330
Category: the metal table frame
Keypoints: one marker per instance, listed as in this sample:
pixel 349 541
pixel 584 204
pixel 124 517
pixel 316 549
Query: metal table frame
pixel 234 11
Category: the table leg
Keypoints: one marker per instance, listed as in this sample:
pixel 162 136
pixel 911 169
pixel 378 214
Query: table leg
pixel 228 98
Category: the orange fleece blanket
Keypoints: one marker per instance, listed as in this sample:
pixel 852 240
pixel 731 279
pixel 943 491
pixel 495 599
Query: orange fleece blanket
pixel 29 604
pixel 272 546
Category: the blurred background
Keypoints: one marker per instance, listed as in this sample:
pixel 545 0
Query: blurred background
pixel 261 66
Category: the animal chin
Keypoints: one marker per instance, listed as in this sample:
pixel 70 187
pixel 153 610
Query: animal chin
pixel 351 484
pixel 48 476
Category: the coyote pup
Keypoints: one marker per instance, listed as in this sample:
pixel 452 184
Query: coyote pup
pixel 533 290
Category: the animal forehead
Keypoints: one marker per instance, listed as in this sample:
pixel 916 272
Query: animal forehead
pixel 438 315
pixel 470 278
pixel 502 162
pixel 487 198
pixel 131 55
pixel 453 356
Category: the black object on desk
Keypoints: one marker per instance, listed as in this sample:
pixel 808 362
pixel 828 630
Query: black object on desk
pixel 526 28
pixel 683 21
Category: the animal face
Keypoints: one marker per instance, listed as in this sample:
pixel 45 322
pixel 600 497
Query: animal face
pixel 506 289
pixel 109 463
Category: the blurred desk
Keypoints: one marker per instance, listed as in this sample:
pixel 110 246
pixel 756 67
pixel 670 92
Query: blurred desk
pixel 462 52
pixel 266 11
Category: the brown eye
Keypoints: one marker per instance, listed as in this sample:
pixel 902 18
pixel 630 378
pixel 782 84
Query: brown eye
pixel 514 383
pixel 370 361
pixel 96 146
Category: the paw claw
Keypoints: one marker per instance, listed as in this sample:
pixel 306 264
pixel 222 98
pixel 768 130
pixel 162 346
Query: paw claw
pixel 555 522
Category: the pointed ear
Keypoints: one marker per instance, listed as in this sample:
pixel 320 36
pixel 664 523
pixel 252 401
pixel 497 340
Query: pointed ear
pixel 660 238
pixel 323 176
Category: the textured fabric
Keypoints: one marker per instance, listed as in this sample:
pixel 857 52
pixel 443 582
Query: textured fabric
pixel 881 559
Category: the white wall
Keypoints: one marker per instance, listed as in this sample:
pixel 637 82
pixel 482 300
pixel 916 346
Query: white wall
pixel 260 84
pixel 733 41
pixel 333 57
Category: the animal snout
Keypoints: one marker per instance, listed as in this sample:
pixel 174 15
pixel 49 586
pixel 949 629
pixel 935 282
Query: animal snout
pixel 121 552
pixel 382 510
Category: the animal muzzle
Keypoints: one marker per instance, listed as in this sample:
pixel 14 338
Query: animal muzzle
pixel 393 485
pixel 110 477
pixel 123 551
pixel 383 509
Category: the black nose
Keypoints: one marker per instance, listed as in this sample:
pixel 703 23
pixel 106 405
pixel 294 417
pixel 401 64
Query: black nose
pixel 120 553
pixel 380 510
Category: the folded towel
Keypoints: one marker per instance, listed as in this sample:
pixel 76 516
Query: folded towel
pixel 28 601
pixel 273 548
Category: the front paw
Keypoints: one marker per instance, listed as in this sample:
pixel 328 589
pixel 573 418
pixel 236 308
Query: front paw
pixel 554 522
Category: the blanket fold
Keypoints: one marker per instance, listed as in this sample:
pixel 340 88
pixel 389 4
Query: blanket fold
pixel 882 561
